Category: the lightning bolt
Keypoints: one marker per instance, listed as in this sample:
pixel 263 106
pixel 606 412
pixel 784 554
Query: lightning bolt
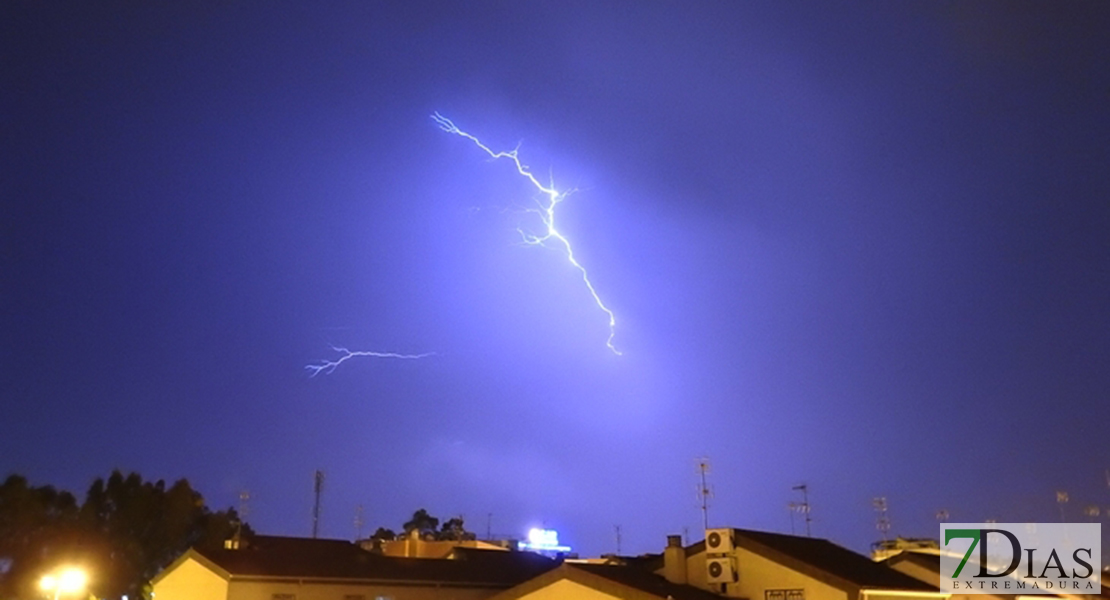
pixel 546 212
pixel 328 366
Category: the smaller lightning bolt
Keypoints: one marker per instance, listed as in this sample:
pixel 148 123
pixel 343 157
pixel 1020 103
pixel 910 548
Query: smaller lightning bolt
pixel 546 213
pixel 330 365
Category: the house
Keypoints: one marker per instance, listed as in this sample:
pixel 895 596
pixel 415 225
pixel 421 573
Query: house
pixel 757 565
pixel 925 566
pixel 732 563
pixel 282 568
pixel 413 546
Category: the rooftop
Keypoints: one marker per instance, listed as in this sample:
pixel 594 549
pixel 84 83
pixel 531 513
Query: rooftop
pixel 306 558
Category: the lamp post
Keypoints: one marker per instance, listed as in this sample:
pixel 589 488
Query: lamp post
pixel 64 582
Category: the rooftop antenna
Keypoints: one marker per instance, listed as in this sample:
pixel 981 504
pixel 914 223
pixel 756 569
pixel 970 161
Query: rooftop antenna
pixel 358 522
pixel 489 527
pixel 617 531
pixel 882 523
pixel 704 492
pixel 802 508
pixel 244 508
pixel 317 488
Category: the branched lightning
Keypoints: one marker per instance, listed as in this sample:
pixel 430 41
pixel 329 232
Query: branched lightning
pixel 330 365
pixel 546 212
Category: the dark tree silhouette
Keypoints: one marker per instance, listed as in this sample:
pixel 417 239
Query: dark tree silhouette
pixel 428 528
pixel 421 522
pixel 125 532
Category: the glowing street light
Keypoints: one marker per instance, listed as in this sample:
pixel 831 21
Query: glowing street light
pixel 64 582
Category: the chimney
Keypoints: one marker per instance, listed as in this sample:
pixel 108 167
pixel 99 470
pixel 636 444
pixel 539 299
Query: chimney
pixel 674 560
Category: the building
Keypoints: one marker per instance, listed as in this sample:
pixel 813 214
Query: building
pixel 756 565
pixel 925 566
pixel 731 563
pixel 413 546
pixel 281 568
pixel 887 548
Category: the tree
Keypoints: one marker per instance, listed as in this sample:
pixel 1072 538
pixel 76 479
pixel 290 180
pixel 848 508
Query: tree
pixel 125 532
pixel 383 534
pixel 35 526
pixel 455 530
pixel 421 522
pixel 428 527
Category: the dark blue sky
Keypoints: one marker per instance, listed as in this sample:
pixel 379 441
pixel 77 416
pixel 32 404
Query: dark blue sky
pixel 864 247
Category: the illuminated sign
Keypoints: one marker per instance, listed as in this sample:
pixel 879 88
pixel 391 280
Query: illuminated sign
pixel 543 540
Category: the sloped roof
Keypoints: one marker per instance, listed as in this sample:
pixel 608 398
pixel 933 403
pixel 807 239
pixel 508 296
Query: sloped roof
pixel 651 583
pixel 831 558
pixel 931 562
pixel 303 558
pixel 628 583
pixel 928 560
pixel 503 559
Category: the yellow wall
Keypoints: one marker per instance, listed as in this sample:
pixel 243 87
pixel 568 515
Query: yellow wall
pixel 566 589
pixel 931 577
pixel 191 581
pixel 757 574
pixel 264 590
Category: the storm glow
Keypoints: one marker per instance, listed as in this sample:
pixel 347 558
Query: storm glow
pixel 546 212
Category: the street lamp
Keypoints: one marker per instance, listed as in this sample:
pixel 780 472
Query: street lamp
pixel 64 582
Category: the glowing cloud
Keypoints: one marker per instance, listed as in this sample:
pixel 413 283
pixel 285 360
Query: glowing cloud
pixel 546 212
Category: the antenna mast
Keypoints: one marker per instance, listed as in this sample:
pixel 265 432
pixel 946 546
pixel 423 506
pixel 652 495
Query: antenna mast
pixel 882 523
pixel 704 492
pixel 802 508
pixel 317 488
pixel 244 508
pixel 358 522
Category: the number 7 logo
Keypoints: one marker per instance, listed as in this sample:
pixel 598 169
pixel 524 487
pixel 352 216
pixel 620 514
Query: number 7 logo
pixel 973 534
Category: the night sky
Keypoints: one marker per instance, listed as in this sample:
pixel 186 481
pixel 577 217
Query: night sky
pixel 863 247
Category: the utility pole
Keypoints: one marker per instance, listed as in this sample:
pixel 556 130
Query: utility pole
pixel 317 488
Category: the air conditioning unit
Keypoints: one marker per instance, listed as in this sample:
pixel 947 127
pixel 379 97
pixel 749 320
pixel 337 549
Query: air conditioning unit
pixel 718 541
pixel 719 570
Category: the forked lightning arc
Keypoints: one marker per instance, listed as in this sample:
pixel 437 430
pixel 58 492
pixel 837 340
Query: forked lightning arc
pixel 328 366
pixel 546 212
